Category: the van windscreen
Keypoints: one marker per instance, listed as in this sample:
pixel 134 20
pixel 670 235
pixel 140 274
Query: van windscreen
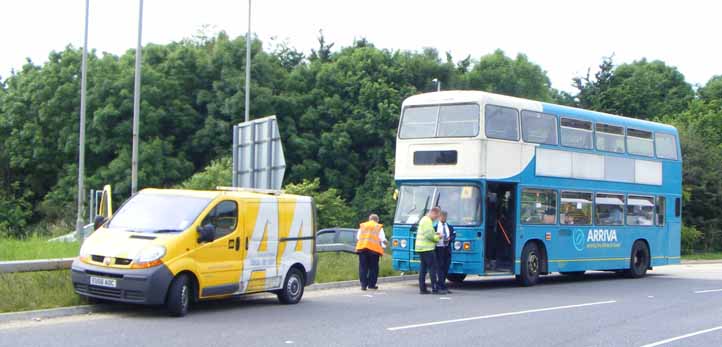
pixel 154 213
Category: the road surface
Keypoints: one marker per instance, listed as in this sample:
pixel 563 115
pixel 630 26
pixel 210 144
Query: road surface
pixel 673 306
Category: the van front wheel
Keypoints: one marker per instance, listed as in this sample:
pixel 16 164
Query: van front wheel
pixel 292 290
pixel 179 296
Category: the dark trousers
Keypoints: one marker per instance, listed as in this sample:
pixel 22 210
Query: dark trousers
pixel 443 259
pixel 368 268
pixel 428 265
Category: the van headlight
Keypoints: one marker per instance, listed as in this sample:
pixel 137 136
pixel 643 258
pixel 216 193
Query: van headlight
pixel 84 254
pixel 148 257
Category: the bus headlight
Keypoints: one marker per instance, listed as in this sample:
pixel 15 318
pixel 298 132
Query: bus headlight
pixel 457 245
pixel 148 257
pixel 403 243
pixel 395 243
pixel 467 246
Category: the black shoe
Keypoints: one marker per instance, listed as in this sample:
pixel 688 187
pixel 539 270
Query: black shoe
pixel 448 291
pixel 434 292
pixel 424 292
pixel 374 288
pixel 363 288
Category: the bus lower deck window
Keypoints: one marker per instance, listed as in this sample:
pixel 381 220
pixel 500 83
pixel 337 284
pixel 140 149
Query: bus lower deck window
pixel 538 206
pixel 576 208
pixel 640 210
pixel 609 209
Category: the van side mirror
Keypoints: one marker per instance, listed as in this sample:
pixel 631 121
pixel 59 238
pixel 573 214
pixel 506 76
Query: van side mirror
pixel 99 221
pixel 206 233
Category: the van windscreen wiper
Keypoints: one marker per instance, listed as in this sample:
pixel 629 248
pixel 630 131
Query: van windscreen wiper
pixel 161 231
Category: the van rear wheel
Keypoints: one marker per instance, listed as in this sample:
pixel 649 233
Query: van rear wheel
pixel 179 296
pixel 293 286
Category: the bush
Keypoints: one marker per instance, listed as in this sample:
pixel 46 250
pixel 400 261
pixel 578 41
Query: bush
pixel 218 173
pixel 15 212
pixel 690 239
pixel 333 211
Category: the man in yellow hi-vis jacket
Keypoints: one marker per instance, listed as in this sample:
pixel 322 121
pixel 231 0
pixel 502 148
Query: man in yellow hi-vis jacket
pixel 370 246
pixel 426 239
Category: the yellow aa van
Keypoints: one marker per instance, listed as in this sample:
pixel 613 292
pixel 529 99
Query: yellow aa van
pixel 174 247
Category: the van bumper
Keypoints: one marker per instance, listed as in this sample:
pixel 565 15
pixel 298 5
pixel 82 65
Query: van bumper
pixel 137 286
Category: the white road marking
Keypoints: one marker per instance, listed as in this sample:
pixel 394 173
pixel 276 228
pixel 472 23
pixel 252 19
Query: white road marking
pixel 444 298
pixel 707 291
pixel 651 296
pixel 672 339
pixel 369 296
pixel 498 315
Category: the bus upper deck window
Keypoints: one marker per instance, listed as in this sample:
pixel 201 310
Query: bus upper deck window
pixel 640 142
pixel 666 146
pixel 610 138
pixel 458 120
pixel 501 122
pixel 419 122
pixel 537 127
pixel 576 133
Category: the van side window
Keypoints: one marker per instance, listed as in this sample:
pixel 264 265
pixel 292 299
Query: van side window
pixel 224 217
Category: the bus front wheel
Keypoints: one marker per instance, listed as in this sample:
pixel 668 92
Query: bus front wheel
pixel 531 261
pixel 639 261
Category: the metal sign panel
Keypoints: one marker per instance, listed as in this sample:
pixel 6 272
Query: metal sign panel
pixel 258 160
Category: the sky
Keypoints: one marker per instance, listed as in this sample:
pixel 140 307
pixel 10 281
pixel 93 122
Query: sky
pixel 564 37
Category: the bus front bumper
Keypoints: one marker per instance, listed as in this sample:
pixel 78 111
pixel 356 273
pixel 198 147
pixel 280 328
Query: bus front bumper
pixel 137 286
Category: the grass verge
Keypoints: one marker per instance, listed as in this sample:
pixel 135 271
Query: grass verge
pixel 48 289
pixel 36 290
pixel 36 248
pixel 703 256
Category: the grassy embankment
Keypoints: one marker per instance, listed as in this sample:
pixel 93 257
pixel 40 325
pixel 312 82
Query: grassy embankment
pixel 47 289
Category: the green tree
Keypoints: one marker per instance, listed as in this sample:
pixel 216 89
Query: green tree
pixel 332 209
pixel 641 89
pixel 519 77
pixel 712 90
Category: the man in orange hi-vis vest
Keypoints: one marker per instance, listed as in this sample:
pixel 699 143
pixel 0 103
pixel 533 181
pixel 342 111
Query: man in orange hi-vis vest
pixel 370 246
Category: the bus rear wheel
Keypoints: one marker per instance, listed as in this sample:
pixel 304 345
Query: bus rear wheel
pixel 531 261
pixel 456 278
pixel 639 261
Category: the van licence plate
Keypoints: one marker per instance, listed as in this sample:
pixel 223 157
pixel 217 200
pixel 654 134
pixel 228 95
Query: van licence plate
pixel 103 282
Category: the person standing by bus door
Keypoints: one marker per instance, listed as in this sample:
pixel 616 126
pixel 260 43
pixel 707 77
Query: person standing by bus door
pixel 370 246
pixel 443 249
pixel 426 239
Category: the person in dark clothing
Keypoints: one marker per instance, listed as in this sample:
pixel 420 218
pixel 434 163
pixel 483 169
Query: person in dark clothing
pixel 443 250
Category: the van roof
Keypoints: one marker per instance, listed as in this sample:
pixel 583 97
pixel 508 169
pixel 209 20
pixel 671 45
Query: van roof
pixel 212 194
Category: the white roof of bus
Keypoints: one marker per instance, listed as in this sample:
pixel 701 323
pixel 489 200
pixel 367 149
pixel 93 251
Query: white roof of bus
pixel 463 96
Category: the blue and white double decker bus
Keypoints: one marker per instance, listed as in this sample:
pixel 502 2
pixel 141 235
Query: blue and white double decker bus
pixel 534 188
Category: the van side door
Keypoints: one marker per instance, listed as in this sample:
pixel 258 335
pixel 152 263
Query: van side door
pixel 220 260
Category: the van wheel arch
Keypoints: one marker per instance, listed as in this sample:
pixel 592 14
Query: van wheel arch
pixel 195 286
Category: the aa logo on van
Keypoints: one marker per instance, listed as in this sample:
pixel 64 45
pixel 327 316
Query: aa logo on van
pixel 595 238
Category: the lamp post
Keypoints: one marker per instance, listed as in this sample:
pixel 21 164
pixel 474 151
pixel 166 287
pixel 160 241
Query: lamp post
pixel 438 84
pixel 248 65
pixel 81 138
pixel 136 105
